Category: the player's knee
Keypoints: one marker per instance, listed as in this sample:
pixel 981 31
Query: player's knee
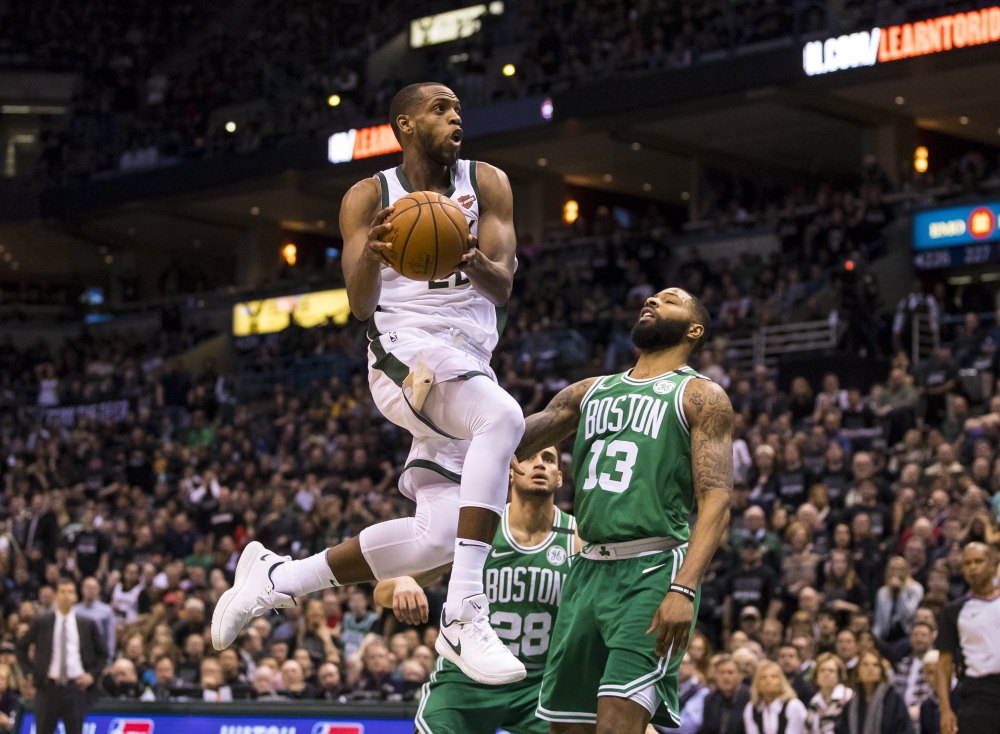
pixel 506 419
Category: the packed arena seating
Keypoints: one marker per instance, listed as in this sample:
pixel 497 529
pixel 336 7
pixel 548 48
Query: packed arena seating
pixel 125 468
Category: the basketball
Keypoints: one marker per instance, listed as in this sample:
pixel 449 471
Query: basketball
pixel 429 236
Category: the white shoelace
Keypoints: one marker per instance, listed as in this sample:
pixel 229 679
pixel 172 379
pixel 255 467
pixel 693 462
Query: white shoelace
pixel 483 632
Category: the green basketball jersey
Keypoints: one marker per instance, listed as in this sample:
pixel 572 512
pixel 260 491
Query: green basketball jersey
pixel 632 459
pixel 524 587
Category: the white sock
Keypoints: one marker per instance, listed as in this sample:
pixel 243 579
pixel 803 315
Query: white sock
pixel 297 578
pixel 466 573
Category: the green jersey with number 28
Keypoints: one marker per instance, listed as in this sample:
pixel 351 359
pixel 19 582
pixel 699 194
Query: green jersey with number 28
pixel 632 459
pixel 524 586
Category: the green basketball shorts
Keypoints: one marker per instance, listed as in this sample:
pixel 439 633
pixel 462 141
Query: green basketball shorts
pixel 454 704
pixel 599 643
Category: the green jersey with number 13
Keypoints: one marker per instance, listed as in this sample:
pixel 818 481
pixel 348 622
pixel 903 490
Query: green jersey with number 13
pixel 632 459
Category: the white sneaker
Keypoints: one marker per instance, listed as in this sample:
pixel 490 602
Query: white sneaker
pixel 472 644
pixel 253 593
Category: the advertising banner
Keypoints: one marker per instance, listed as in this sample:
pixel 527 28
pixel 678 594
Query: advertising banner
pixel 230 724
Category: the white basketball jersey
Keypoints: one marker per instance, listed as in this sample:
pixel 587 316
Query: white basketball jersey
pixel 440 304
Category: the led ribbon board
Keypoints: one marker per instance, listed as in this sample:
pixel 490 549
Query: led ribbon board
pixel 366 142
pixel 902 41
pixel 957 236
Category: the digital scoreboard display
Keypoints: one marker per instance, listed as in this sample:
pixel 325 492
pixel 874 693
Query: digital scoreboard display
pixel 957 236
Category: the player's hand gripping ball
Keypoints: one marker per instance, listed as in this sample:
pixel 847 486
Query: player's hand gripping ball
pixel 429 236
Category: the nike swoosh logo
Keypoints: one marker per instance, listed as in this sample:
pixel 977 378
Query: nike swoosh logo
pixel 456 647
pixel 472 545
pixel 496 554
pixel 653 568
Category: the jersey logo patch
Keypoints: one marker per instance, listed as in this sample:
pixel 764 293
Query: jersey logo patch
pixel 556 555
pixel 497 554
pixel 467 201
pixel 393 336
pixel 663 387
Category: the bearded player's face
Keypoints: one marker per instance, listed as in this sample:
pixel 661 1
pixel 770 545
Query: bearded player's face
pixel 438 125
pixel 664 320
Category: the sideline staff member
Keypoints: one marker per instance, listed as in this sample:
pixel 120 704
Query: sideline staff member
pixel 968 637
pixel 69 656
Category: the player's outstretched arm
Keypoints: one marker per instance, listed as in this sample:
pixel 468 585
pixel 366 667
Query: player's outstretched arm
pixel 362 225
pixel 559 420
pixel 489 264
pixel 405 595
pixel 710 415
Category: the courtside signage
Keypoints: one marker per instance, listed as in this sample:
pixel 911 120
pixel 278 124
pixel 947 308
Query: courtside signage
pixel 902 41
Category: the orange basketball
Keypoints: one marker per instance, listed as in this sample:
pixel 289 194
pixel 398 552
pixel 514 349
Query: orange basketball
pixel 429 236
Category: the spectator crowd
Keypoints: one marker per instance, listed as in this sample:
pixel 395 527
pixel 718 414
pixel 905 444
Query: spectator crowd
pixel 160 83
pixel 851 507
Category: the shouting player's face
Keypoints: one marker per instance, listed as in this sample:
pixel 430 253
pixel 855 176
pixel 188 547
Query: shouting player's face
pixel 541 473
pixel 438 125
pixel 664 321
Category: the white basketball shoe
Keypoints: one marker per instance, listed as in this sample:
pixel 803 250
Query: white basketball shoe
pixel 472 644
pixel 253 593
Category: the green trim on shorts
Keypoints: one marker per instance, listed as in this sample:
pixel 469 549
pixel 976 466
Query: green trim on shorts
pixel 599 643
pixel 437 468
pixel 390 364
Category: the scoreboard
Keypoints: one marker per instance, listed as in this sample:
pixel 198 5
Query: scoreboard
pixel 957 236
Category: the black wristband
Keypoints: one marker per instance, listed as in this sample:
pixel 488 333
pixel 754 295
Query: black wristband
pixel 682 590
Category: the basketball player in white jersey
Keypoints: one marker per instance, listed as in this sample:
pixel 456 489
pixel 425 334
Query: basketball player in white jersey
pixel 465 427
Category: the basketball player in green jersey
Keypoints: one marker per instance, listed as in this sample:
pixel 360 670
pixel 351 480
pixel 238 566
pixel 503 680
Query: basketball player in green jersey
pixel 650 444
pixel 524 579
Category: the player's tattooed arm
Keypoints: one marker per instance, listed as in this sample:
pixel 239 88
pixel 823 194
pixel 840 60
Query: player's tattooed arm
pixel 362 225
pixel 558 420
pixel 490 262
pixel 710 416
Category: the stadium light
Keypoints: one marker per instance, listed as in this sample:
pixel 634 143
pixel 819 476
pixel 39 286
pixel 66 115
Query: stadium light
pixel 571 211
pixel 230 127
pixel 289 252
pixel 333 100
pixel 920 156
pixel 509 70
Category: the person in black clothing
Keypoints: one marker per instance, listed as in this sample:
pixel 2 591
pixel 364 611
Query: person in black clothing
pixel 968 627
pixel 874 697
pixel 91 547
pixel 180 537
pixel 794 479
pixel 869 558
pixel 836 475
pixel 752 584
pixel 791 666
pixel 724 706
pixel 879 514
pixel 331 687
pixel 762 479
pixel 41 532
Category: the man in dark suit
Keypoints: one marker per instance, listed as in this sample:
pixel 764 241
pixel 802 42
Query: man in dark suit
pixel 69 655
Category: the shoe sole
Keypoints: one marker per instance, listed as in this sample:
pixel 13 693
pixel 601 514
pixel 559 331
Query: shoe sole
pixel 445 651
pixel 247 559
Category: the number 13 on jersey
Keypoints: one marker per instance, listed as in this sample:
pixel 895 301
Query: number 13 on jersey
pixel 625 452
